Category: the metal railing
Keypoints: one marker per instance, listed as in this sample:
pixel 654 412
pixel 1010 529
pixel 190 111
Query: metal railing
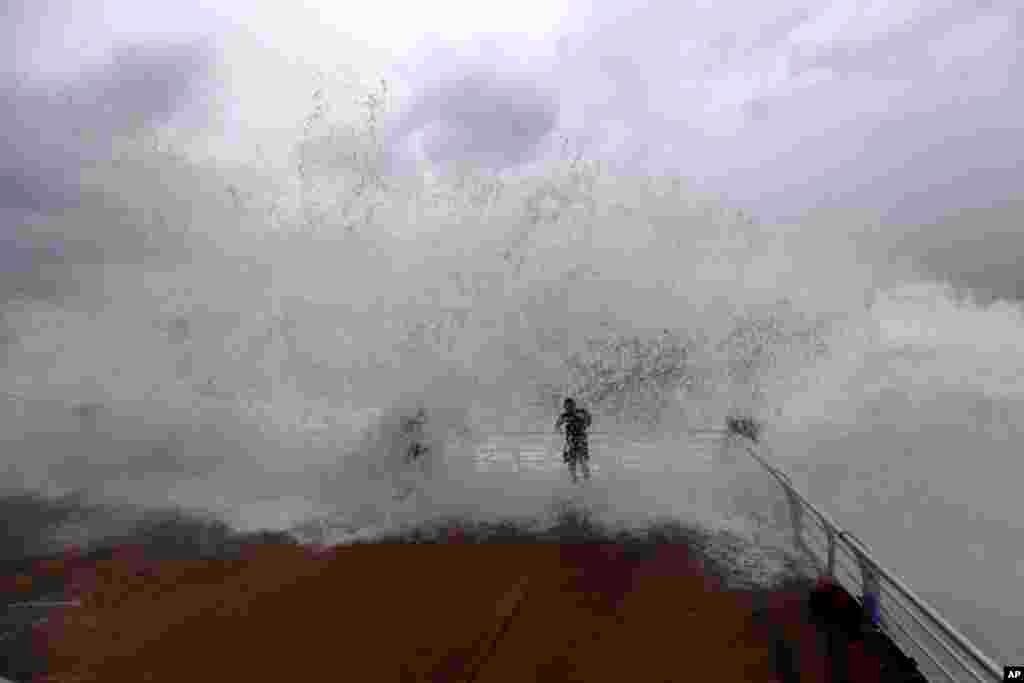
pixel 941 652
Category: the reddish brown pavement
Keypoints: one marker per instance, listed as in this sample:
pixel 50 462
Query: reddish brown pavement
pixel 442 612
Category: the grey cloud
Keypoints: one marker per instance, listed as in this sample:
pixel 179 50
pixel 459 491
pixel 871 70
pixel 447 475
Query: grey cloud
pixel 23 268
pixel 144 84
pixel 486 114
pixel 976 249
pixel 52 126
pixel 776 29
pixel 902 52
pixel 50 130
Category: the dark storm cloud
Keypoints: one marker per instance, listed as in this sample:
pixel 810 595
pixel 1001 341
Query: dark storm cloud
pixel 977 250
pixel 490 114
pixel 60 111
pixel 50 129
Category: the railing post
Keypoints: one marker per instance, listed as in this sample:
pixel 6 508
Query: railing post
pixel 795 516
pixel 831 569
pixel 870 590
pixel 796 519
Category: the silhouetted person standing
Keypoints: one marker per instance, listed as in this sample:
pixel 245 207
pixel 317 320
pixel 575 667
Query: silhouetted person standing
pixel 575 421
pixel 413 430
pixel 415 440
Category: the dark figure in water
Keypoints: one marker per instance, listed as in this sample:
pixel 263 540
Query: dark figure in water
pixel 412 427
pixel 576 421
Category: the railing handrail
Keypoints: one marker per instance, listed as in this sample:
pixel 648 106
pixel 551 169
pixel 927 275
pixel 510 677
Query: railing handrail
pixel 593 432
pixel 863 554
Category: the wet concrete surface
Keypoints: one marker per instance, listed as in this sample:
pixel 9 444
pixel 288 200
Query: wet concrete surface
pixel 439 612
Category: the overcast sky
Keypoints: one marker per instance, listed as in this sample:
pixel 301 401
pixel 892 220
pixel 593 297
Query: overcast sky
pixel 907 108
